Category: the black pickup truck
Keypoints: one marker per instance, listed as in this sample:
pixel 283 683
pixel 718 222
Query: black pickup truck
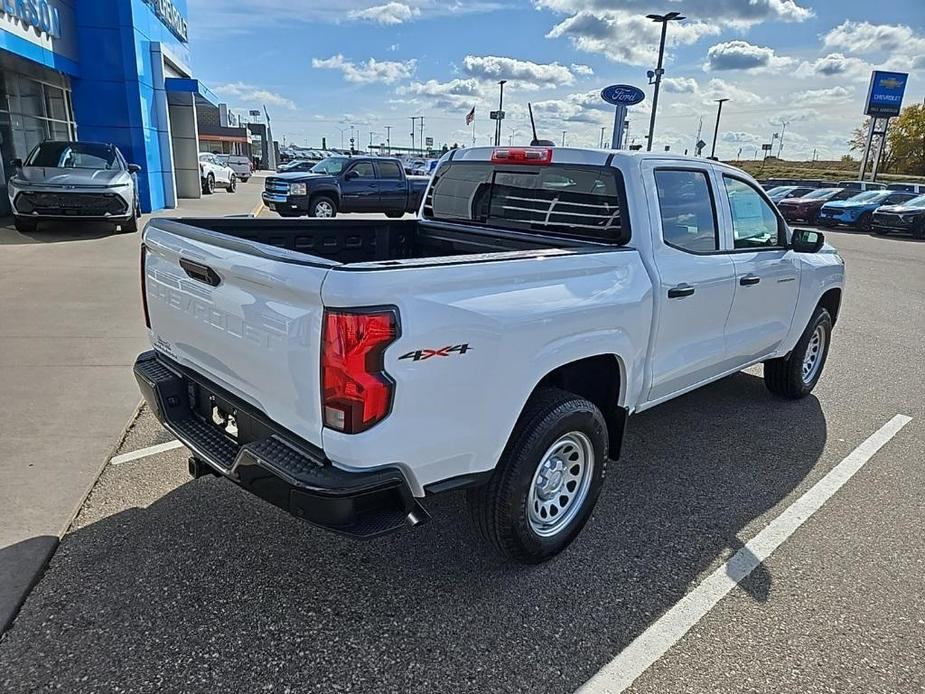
pixel 345 184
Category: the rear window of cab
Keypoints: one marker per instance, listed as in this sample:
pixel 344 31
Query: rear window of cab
pixel 579 202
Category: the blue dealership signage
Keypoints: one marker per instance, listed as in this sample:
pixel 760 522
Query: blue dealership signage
pixel 622 95
pixel 172 18
pixel 39 14
pixel 885 95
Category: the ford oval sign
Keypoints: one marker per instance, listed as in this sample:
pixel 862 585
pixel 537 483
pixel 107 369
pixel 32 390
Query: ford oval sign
pixel 622 95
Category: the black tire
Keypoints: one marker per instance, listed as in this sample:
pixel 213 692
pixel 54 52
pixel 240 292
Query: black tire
pixel 131 226
pixel 918 231
pixel 232 184
pixel 499 508
pixel 865 222
pixel 25 225
pixel 881 231
pixel 316 206
pixel 784 376
pixel 394 215
pixel 209 186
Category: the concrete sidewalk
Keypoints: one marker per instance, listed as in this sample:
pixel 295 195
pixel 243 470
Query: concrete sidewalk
pixel 70 327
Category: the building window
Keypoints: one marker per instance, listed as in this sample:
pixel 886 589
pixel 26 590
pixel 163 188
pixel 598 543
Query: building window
pixel 31 111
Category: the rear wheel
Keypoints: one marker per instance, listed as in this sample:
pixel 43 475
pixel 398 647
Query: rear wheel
pixel 548 479
pixel 232 184
pixel 25 225
pixel 209 186
pixel 322 207
pixel 795 376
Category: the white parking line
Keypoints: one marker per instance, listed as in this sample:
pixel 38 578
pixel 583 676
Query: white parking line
pixel 258 208
pixel 144 452
pixel 655 641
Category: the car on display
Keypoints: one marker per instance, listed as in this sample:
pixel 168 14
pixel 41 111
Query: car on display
pixel 917 188
pixel 862 185
pixel 350 370
pixel 77 181
pixel 345 184
pixel 424 168
pixel 908 217
pixel 784 192
pixel 297 165
pixel 806 208
pixel 241 165
pixel 858 210
pixel 213 173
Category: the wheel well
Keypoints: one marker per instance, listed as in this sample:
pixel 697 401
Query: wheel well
pixel 330 195
pixel 831 301
pixel 597 379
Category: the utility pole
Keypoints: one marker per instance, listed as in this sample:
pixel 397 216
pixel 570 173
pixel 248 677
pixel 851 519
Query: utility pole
pixel 659 70
pixel 501 84
pixel 697 139
pixel 563 138
pixel 601 145
pixel 413 119
pixel 422 133
pixel 719 111
pixel 780 144
pixel 388 138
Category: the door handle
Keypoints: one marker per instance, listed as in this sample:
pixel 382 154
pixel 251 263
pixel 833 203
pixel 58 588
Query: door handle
pixel 680 291
pixel 749 280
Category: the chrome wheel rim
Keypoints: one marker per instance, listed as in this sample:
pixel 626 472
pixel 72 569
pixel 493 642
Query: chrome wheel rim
pixel 560 484
pixel 812 360
pixel 324 209
pixel 210 184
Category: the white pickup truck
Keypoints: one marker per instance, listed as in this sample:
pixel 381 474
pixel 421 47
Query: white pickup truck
pixel 347 369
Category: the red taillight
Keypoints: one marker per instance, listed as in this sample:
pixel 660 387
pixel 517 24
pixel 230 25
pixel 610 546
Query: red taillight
pixel 356 390
pixel 144 287
pixel 522 155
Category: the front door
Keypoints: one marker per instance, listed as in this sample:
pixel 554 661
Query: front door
pixel 359 188
pixel 696 282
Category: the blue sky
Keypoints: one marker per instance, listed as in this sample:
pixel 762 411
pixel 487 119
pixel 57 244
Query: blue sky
pixel 326 66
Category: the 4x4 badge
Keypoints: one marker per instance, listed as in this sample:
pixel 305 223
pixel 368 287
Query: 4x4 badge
pixel 422 354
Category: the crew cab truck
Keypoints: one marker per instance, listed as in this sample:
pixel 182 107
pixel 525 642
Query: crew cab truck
pixel 345 184
pixel 347 370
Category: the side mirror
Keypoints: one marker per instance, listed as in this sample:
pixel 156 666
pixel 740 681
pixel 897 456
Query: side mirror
pixel 16 163
pixel 134 168
pixel 807 241
pixel 350 175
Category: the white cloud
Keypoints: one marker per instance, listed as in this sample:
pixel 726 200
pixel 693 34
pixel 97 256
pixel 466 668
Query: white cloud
pixel 743 12
pixel 582 70
pixel 385 71
pixel 680 85
pixel 833 65
pixel 721 89
pixel 523 74
pixel 864 37
pixel 389 13
pixel 830 95
pixel 453 94
pixel 251 94
pixel 742 55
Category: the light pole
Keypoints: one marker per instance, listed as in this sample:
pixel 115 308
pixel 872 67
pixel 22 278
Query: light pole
pixel 342 131
pixel 501 84
pixel 563 138
pixel 662 19
pixel 719 110
pixel 602 138
pixel 388 139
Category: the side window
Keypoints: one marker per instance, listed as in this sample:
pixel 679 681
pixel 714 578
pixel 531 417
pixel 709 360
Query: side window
pixel 754 223
pixel 389 170
pixel 364 169
pixel 898 199
pixel 686 207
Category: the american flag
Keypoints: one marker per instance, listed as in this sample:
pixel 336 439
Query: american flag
pixel 470 116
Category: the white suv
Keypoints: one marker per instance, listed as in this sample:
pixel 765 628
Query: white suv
pixel 213 173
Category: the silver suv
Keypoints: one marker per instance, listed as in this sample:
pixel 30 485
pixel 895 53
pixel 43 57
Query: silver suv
pixel 75 180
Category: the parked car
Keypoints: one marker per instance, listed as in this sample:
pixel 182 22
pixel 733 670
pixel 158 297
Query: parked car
pixel 858 211
pixel 297 165
pixel 917 188
pixel 908 217
pixel 213 174
pixel 241 165
pixel 345 184
pixel 784 192
pixel 862 185
pixel 806 208
pixel 498 344
pixel 74 180
pixel 425 168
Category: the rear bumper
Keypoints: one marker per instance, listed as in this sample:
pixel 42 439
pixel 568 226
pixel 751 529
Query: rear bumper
pixel 270 462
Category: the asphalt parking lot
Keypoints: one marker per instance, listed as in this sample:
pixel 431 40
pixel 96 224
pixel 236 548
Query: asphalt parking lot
pixel 167 584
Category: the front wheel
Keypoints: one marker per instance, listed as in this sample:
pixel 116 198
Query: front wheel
pixel 918 231
pixel 865 222
pixel 322 207
pixel 548 479
pixel 209 186
pixel 796 375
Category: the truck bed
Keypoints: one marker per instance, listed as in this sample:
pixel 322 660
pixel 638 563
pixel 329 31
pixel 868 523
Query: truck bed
pixel 347 241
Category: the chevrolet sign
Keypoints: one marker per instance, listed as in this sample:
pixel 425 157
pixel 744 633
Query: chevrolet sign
pixel 168 13
pixel 885 94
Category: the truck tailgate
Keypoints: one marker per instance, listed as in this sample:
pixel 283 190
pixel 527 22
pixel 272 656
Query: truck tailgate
pixel 249 322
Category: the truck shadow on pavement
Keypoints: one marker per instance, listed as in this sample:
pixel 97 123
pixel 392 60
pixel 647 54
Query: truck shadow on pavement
pixel 209 589
pixel 56 232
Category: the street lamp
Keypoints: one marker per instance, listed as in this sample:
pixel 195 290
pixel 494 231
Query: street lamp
pixel 719 110
pixel 663 19
pixel 501 84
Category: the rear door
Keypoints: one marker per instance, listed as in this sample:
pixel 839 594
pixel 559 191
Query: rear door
pixel 245 315
pixel 393 189
pixel 767 271
pixel 359 188
pixel 696 278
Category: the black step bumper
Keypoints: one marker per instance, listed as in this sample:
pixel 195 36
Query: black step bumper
pixel 271 462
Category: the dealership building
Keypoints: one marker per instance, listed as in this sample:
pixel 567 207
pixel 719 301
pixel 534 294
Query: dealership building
pixel 106 70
